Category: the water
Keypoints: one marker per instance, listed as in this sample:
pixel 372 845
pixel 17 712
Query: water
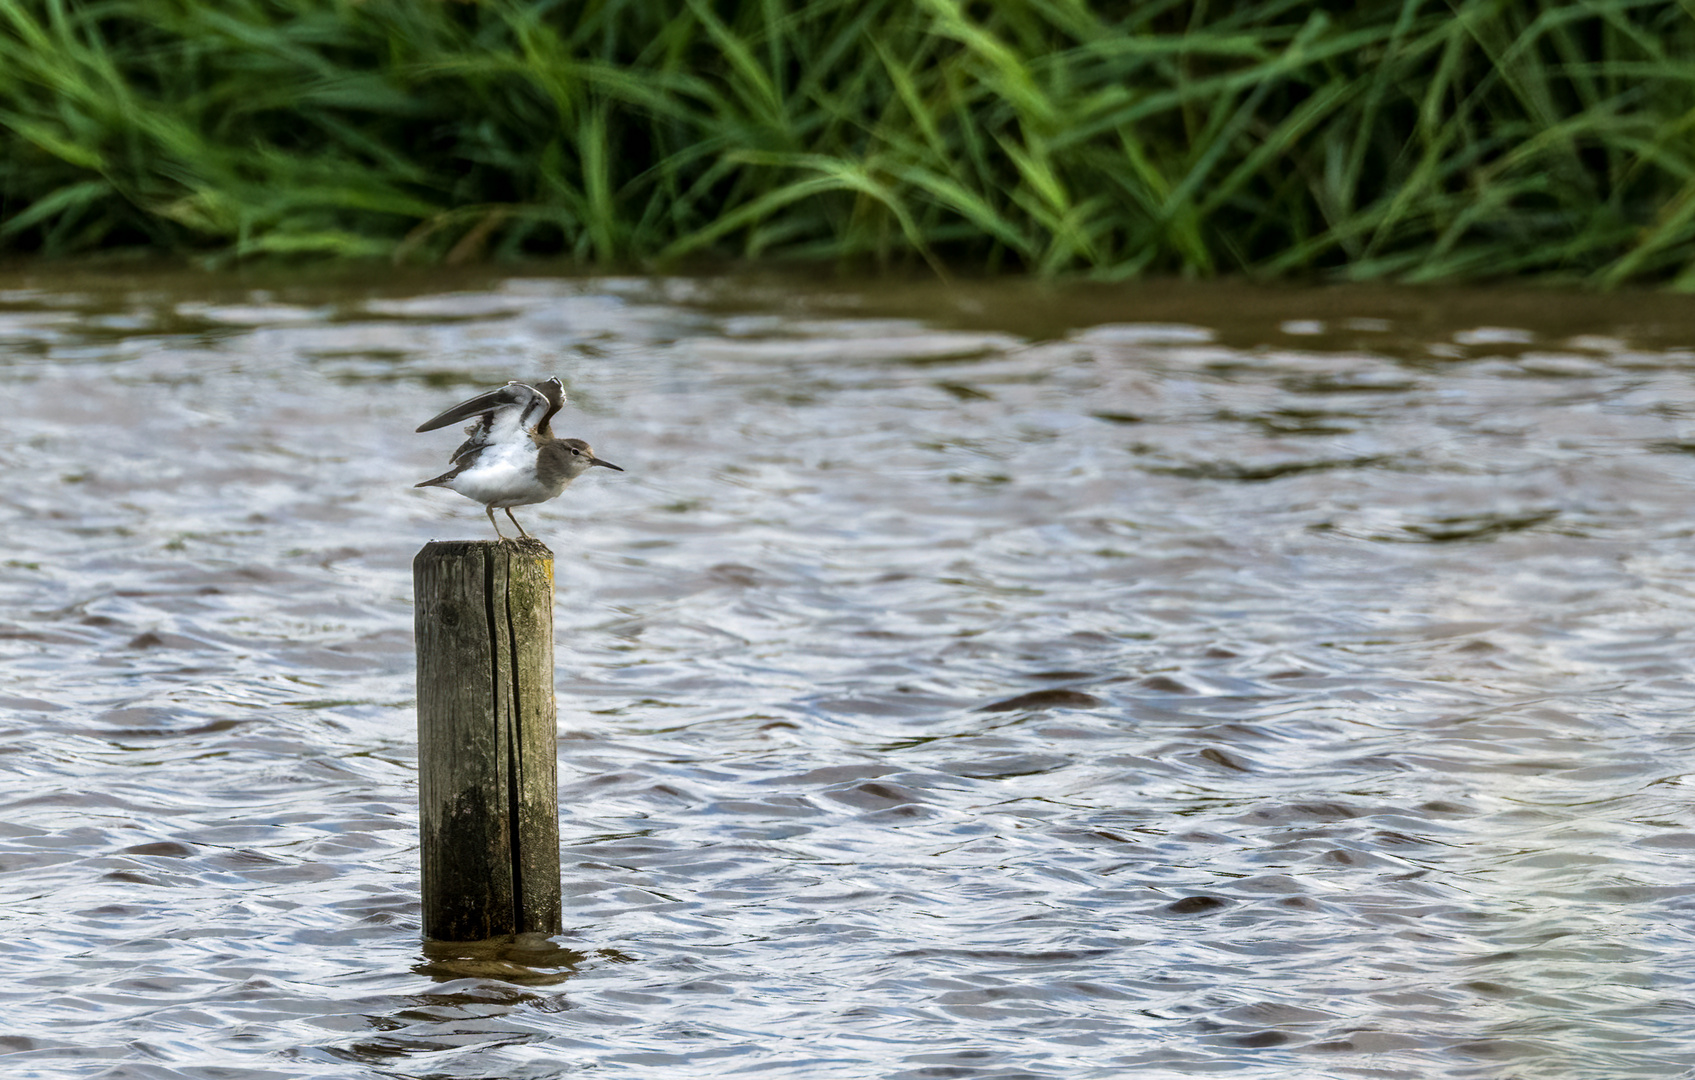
pixel 972 682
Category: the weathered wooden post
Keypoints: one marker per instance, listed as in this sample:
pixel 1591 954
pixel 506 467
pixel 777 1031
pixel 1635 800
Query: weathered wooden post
pixel 488 796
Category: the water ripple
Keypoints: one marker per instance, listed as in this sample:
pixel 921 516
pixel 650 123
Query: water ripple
pixel 978 682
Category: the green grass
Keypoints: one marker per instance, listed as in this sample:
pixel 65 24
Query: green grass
pixel 1394 140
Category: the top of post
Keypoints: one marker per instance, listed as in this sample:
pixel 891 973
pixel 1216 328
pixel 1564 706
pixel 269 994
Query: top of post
pixel 520 546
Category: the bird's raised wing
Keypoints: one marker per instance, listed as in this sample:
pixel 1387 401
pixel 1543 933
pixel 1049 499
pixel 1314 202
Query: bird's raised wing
pixel 504 414
pixel 554 391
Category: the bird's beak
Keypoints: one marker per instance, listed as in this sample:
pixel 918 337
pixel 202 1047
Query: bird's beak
pixel 596 461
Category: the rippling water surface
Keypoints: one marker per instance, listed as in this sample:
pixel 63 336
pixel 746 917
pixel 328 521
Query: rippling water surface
pixel 971 682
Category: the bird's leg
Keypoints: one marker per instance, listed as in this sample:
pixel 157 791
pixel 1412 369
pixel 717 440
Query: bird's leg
pixel 521 531
pixel 489 510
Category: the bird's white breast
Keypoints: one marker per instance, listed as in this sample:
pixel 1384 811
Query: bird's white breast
pixel 504 475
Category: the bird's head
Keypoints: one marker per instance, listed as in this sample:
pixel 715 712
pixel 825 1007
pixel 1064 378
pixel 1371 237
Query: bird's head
pixel 573 457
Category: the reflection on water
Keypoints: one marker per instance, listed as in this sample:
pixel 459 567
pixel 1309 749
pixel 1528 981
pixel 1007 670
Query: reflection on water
pixel 523 959
pixel 971 682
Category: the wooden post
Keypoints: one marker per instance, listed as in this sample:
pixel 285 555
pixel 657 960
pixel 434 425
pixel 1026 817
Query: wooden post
pixel 488 795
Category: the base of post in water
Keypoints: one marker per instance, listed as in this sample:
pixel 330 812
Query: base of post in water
pixel 488 796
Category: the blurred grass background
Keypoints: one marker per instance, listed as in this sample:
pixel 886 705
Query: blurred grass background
pixel 1391 139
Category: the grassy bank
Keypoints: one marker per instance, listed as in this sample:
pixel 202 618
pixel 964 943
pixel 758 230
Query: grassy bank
pixel 1402 140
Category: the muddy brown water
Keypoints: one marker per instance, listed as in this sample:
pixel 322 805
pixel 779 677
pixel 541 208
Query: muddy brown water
pixel 974 681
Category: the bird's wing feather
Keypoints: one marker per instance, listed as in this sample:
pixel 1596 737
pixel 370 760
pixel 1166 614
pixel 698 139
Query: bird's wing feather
pixel 514 403
pixel 554 391
pixel 502 415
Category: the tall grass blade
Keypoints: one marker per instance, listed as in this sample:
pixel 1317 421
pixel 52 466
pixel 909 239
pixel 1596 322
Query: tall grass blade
pixel 1403 139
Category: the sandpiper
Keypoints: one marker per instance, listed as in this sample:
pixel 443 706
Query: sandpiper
pixel 512 458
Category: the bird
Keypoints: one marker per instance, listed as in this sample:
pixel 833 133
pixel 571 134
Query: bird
pixel 512 457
